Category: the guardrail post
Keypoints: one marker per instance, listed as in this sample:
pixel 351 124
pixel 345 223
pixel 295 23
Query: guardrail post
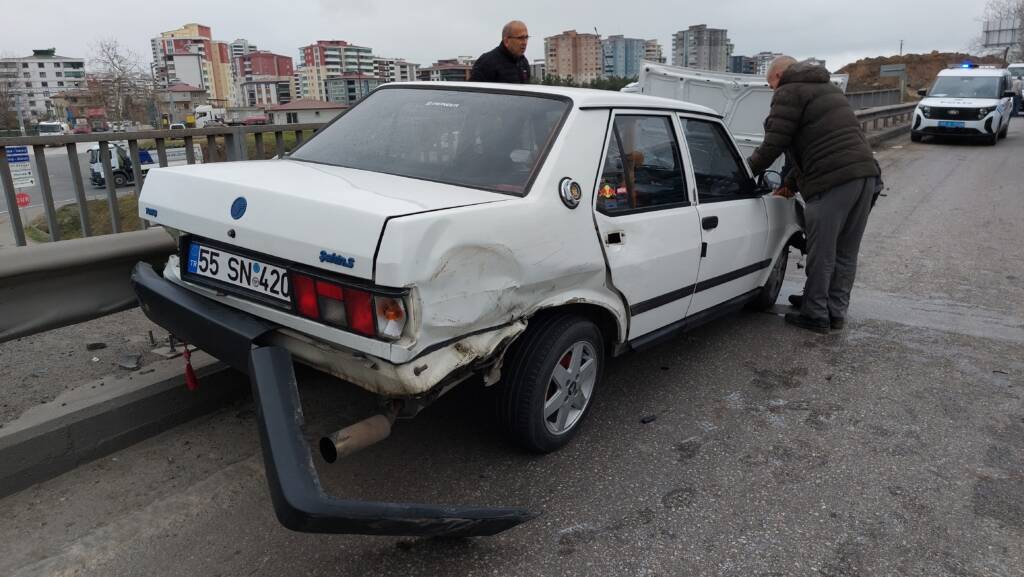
pixel 235 145
pixel 190 153
pixel 161 152
pixel 133 151
pixel 260 153
pixel 211 149
pixel 12 201
pixel 44 188
pixel 76 179
pixel 299 139
pixel 279 142
pixel 108 175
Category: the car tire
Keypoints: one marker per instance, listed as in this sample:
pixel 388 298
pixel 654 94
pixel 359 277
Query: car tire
pixel 992 140
pixel 769 293
pixel 1004 131
pixel 540 410
pixel 120 179
pixel 915 137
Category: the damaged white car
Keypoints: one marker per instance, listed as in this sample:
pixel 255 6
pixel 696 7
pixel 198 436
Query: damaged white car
pixel 441 231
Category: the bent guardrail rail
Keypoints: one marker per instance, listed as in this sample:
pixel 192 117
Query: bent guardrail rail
pixel 51 285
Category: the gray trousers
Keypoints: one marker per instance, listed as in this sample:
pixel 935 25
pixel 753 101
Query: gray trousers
pixel 834 224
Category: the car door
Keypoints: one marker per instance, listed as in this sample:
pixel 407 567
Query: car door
pixel 733 218
pixel 646 218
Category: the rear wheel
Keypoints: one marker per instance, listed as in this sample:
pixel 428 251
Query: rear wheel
pixel 1004 131
pixel 549 381
pixel 120 179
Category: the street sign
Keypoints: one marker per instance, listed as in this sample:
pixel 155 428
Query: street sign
pixel 21 168
pixel 893 70
pixel 23 199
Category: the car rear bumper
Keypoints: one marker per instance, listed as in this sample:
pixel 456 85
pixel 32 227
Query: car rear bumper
pixel 239 339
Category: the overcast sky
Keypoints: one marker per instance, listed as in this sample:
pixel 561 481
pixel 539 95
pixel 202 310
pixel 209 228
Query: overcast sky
pixel 424 31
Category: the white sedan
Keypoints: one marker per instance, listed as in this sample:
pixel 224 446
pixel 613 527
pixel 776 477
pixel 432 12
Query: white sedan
pixel 440 231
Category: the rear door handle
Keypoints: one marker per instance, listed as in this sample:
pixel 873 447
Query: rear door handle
pixel 709 222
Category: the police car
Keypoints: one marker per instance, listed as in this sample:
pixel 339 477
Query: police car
pixel 968 101
pixel 438 231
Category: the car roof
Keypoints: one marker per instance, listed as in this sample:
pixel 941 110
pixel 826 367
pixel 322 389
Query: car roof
pixel 581 97
pixel 973 72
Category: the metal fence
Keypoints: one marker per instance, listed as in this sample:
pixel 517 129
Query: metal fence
pixel 221 144
pixel 874 98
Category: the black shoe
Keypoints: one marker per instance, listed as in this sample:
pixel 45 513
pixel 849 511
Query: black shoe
pixel 796 300
pixel 837 323
pixel 799 320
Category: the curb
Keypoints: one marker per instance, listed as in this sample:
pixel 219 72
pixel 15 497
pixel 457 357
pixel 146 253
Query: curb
pixel 879 138
pixel 107 415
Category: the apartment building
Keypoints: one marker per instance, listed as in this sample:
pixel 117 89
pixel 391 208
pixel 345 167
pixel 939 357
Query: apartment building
pixel 574 55
pixel 448 70
pixel 328 59
pixel 702 47
pixel 263 78
pixel 189 55
pixel 622 56
pixel 653 51
pixel 395 69
pixel 34 80
pixel 348 89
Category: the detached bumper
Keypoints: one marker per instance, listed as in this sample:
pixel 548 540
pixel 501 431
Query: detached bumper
pixel 299 501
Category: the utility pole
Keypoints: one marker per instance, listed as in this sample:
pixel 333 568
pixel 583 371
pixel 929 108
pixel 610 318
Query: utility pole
pixel 901 48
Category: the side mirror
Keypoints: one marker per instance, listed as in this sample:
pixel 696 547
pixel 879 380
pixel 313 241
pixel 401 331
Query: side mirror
pixel 769 179
pixel 922 92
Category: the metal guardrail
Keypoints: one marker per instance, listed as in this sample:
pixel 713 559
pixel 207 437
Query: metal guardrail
pixel 35 281
pixel 234 148
pixel 886 116
pixel 874 98
pixel 51 285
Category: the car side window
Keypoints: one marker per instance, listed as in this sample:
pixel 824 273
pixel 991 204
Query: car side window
pixel 717 167
pixel 643 168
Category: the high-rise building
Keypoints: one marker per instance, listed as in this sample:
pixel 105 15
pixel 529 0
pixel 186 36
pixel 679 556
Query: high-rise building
pixel 653 51
pixel 538 69
pixel 263 78
pixel 574 55
pixel 395 70
pixel 348 89
pixel 330 59
pixel 241 47
pixel 622 56
pixel 762 60
pixel 702 47
pixel 742 65
pixel 189 55
pixel 449 70
pixel 33 80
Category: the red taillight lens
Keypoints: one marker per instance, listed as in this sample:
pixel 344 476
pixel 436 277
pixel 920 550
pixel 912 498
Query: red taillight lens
pixel 305 296
pixel 359 308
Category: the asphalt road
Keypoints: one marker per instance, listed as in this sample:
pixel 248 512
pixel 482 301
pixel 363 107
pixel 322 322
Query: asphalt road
pixel 895 447
pixel 59 168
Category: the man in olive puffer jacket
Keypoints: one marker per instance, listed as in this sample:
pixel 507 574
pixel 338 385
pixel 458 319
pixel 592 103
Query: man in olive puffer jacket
pixel 835 172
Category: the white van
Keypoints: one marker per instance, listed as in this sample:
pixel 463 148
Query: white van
pixel 969 102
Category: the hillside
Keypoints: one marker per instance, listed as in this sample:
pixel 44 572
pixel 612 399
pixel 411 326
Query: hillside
pixel 921 70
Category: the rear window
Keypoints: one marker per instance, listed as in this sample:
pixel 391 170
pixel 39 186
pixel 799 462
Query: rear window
pixel 488 140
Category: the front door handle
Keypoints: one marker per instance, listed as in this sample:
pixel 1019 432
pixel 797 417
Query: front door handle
pixel 709 222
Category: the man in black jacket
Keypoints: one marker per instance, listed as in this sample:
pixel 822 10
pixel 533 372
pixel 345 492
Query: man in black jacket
pixel 835 171
pixel 507 62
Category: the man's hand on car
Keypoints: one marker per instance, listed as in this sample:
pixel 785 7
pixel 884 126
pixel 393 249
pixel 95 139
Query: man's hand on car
pixel 783 191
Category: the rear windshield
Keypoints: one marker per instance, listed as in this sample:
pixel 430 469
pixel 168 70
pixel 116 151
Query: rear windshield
pixel 493 141
pixel 966 87
pixel 1016 71
pixel 50 128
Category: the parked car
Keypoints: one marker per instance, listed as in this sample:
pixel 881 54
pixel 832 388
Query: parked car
pixel 121 165
pixel 521 233
pixel 968 102
pixel 177 126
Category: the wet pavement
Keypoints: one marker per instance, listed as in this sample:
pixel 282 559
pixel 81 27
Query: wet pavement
pixel 894 447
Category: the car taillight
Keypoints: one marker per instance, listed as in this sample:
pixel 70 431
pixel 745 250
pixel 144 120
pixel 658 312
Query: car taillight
pixel 348 308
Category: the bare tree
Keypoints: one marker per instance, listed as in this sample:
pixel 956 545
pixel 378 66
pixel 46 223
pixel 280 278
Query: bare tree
pixel 117 74
pixel 1003 13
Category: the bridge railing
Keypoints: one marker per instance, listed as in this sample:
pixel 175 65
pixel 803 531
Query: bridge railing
pixel 35 280
pixel 222 143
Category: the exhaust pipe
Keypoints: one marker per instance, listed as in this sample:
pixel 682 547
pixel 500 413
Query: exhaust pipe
pixel 358 436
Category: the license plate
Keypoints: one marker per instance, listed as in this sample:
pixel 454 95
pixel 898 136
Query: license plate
pixel 951 124
pixel 239 271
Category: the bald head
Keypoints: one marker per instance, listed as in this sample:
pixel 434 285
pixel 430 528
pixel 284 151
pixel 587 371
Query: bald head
pixel 777 68
pixel 514 37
